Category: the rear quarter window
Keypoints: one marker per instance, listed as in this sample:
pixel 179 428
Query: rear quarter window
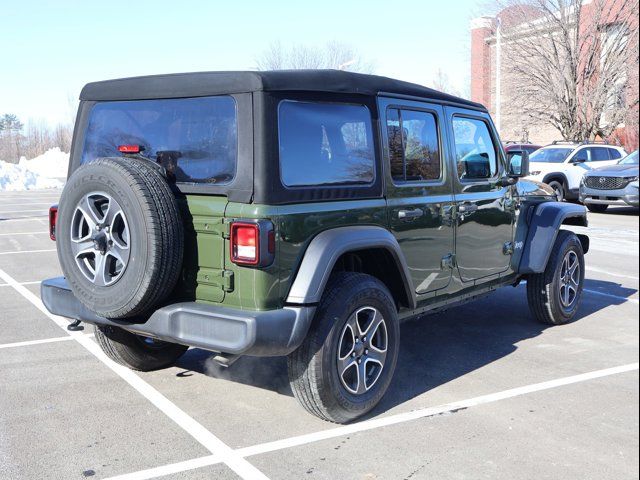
pixel 194 139
pixel 325 144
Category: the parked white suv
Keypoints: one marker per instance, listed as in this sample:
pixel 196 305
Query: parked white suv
pixel 562 165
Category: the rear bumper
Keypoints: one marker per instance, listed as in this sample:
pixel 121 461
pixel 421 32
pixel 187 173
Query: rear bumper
pixel 219 329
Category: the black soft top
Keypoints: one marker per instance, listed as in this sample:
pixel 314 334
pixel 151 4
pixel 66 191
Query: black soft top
pixel 199 84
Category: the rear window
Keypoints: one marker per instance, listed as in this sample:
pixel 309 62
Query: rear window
pixel 195 139
pixel 325 144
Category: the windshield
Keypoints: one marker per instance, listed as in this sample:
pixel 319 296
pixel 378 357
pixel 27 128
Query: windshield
pixel 194 139
pixel 550 155
pixel 631 159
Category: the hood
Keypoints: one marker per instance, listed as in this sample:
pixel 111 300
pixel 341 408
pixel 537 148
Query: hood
pixel 615 171
pixel 531 188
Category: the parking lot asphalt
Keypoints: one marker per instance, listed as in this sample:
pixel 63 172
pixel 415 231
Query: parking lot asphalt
pixel 480 391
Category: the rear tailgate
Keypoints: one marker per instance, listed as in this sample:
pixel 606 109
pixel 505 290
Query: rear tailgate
pixel 204 256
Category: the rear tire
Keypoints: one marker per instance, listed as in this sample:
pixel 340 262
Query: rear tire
pixel 554 295
pixel 345 364
pixel 597 208
pixel 136 352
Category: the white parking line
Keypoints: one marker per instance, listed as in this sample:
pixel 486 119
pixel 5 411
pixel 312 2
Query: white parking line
pixel 207 439
pixel 43 210
pixel 24 233
pixel 376 423
pixel 39 342
pixel 24 204
pixel 607 272
pixel 28 251
pixel 30 218
pixel 35 282
pixel 617 297
pixel 170 469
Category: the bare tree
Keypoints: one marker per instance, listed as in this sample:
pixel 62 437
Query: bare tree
pixel 334 55
pixel 11 138
pixel 572 63
pixel 17 140
pixel 442 83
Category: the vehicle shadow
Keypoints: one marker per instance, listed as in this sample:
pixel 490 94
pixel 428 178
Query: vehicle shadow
pixel 623 211
pixel 435 349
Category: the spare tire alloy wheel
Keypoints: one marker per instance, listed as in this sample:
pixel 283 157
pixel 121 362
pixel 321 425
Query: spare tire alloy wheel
pixel 121 237
pixel 362 350
pixel 100 238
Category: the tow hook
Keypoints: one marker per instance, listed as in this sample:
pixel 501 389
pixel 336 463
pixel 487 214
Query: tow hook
pixel 75 326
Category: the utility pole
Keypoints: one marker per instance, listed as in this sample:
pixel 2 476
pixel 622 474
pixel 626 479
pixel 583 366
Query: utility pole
pixel 498 75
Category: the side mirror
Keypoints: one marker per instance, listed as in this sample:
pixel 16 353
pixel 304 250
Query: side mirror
pixel 518 161
pixel 578 160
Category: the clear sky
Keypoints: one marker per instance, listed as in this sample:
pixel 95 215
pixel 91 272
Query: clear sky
pixel 50 49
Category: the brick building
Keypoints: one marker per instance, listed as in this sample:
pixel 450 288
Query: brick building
pixel 511 117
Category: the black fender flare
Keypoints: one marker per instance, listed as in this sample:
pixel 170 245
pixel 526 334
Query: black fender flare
pixel 327 247
pixel 542 223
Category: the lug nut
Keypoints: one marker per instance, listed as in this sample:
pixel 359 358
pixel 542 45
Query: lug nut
pixel 359 361
pixel 353 355
pixel 366 351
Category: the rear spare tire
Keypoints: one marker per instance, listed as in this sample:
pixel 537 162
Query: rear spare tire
pixel 120 236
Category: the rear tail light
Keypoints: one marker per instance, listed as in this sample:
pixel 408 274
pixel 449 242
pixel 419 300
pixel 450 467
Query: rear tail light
pixel 252 243
pixel 53 219
pixel 245 239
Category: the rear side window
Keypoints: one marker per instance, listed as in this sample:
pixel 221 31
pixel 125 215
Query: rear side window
pixel 475 153
pixel 194 139
pixel 414 153
pixel 599 154
pixel 325 144
pixel 614 154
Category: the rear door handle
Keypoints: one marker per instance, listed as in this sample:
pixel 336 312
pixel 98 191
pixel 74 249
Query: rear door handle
pixel 410 213
pixel 467 208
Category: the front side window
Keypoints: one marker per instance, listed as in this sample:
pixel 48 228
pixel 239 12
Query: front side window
pixel 414 153
pixel 325 144
pixel 551 155
pixel 194 139
pixel 475 153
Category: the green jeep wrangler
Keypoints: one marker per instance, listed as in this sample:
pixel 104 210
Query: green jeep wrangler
pixel 297 213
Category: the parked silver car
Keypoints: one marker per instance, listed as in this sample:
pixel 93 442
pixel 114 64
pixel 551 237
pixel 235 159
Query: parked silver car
pixel 611 185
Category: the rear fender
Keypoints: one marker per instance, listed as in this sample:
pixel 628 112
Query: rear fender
pixel 325 250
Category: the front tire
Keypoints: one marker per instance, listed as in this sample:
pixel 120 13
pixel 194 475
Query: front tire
pixel 560 190
pixel 137 352
pixel 554 295
pixel 345 364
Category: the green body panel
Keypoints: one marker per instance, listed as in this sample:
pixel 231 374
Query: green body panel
pixel 297 225
pixel 204 277
pixel 207 258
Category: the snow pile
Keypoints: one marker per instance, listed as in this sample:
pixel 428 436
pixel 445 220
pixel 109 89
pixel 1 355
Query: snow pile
pixel 44 171
pixel 53 163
